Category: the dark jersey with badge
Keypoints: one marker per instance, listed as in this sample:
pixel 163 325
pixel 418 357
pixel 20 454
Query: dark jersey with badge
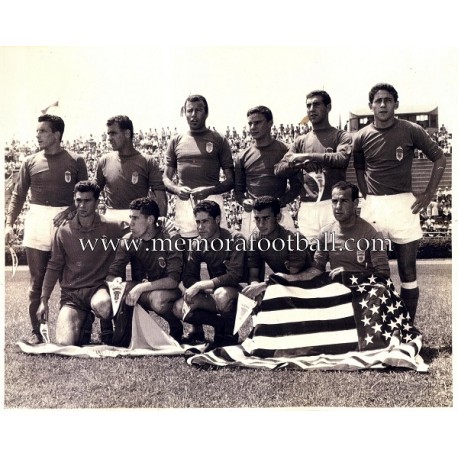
pixel 150 259
pixel 81 255
pixel 331 148
pixel 255 177
pixel 282 250
pixel 386 155
pixel 198 158
pixel 125 178
pixel 347 248
pixel 51 179
pixel 224 257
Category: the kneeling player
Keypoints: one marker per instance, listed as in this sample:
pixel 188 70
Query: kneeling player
pixel 274 245
pixel 350 244
pixel 81 261
pixel 213 301
pixel 156 264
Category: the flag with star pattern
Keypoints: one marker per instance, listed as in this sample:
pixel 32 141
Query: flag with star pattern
pixel 357 323
pixel 379 312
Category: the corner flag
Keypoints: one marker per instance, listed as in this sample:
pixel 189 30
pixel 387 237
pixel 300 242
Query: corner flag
pixel 55 104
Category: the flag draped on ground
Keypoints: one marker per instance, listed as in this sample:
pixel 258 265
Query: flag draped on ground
pixel 148 339
pixel 361 323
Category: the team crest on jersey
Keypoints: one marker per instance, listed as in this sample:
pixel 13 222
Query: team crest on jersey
pixel 68 176
pixel 360 256
pixel 209 147
pixel 134 177
pixel 162 262
pixel 399 153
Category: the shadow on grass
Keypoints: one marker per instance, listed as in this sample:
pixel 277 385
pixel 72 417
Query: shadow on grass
pixel 431 353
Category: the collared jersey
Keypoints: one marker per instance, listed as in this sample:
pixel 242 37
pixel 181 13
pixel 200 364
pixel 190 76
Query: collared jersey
pixel 150 259
pixel 51 179
pixel 81 256
pixel 125 178
pixel 347 248
pixel 254 173
pixel 330 147
pixel 386 155
pixel 225 266
pixel 198 158
pixel 284 257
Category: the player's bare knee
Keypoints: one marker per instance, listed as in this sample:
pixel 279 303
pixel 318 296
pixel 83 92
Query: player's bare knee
pixel 67 334
pixel 224 299
pixel 160 302
pixel 102 309
pixel 161 307
pixel 101 305
pixel 65 340
pixel 178 308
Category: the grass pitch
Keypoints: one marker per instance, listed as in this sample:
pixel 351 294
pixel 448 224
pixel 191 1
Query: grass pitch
pixel 57 382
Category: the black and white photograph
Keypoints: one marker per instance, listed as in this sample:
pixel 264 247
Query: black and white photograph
pixel 206 237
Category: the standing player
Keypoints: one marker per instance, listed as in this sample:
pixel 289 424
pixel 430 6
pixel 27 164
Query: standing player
pixel 81 260
pixel 156 264
pixel 126 174
pixel 50 175
pixel 254 171
pixel 324 149
pixel 196 159
pixel 193 166
pixel 383 155
pixel 213 301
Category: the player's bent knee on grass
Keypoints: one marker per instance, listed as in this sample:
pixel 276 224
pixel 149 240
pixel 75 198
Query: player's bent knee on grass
pixel 101 304
pixel 225 299
pixel 69 325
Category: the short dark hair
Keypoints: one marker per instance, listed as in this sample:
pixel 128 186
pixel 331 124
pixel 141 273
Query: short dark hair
pixel 208 206
pixel 264 202
pixel 195 98
pixel 343 185
pixel 124 123
pixel 55 122
pixel 88 186
pixel 323 94
pixel 383 87
pixel 261 109
pixel 146 205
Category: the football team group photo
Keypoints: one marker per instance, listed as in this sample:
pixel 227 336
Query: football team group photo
pixel 205 263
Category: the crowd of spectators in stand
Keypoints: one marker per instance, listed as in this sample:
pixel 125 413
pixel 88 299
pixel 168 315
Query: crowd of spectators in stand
pixel 436 221
pixel 443 138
